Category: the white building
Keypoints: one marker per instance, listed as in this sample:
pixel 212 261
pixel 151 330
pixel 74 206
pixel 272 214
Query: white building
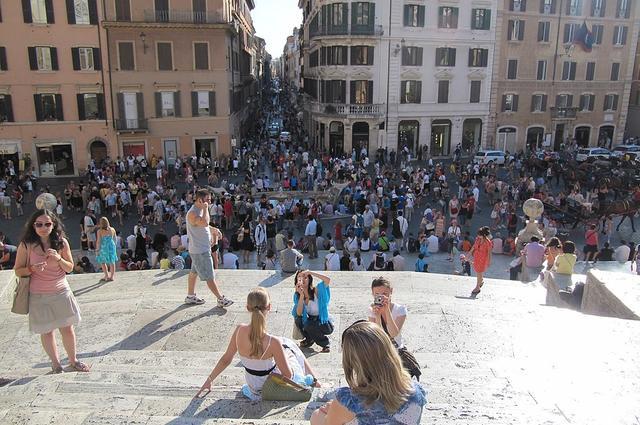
pixel 418 74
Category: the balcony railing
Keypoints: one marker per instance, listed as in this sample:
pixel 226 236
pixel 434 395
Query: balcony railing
pixel 132 125
pixel 183 17
pixel 346 110
pixel 563 113
pixel 371 30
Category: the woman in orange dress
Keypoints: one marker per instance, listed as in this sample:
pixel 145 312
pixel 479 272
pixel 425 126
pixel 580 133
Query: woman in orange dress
pixel 481 252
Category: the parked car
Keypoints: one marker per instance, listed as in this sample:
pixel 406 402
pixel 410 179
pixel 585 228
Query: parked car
pixel 490 157
pixel 285 136
pixel 584 154
pixel 622 150
pixel 274 130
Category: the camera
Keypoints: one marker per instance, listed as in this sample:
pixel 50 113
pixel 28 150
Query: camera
pixel 378 300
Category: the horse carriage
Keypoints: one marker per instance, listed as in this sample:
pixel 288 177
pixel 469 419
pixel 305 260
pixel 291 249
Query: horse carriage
pixel 615 174
pixel 574 213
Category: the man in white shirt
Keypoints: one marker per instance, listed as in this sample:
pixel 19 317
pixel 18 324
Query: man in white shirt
pixel 621 254
pixel 131 242
pixel 332 260
pixel 230 261
pixel 400 227
pixel 310 236
pixel 433 243
pixel 368 217
pixel 398 261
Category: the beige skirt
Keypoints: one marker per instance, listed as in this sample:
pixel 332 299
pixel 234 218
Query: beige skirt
pixel 48 312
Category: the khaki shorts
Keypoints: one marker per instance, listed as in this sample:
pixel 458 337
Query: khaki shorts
pixel 202 265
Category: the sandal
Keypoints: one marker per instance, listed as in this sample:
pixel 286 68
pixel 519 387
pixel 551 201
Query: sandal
pixel 305 343
pixel 475 292
pixel 326 349
pixel 57 369
pixel 79 367
pixel 481 283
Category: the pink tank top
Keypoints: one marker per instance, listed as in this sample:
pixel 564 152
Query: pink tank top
pixel 51 280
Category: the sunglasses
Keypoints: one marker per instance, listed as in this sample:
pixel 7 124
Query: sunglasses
pixel 351 326
pixel 39 224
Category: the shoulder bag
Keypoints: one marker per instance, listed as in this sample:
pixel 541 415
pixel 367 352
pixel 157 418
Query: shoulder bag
pixel 280 388
pixel 409 361
pixel 21 294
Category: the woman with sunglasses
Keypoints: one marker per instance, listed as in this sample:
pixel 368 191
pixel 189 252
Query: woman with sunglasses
pixel 379 390
pixel 311 309
pixel 44 255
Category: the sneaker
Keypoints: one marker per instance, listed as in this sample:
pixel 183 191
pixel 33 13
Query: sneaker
pixel 224 302
pixel 193 300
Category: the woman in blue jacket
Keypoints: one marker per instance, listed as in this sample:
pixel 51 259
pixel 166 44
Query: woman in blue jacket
pixel 311 309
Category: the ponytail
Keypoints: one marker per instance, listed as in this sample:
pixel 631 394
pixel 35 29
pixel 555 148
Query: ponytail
pixel 258 328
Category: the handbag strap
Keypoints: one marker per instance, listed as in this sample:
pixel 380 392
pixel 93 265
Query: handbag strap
pixel 384 326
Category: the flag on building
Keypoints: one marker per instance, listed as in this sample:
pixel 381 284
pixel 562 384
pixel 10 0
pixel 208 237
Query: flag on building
pixel 584 38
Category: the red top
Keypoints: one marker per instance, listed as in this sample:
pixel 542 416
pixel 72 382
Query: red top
pixel 591 237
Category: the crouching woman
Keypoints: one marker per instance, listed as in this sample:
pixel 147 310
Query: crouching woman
pixel 311 309
pixel 380 390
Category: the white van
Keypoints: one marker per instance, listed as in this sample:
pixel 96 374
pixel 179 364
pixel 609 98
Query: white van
pixel 490 157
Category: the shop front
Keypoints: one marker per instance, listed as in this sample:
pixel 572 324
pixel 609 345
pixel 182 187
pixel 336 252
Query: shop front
pixel 136 148
pixel 55 159
pixel 10 154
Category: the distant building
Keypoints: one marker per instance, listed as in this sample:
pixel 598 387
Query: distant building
pixel 412 76
pixel 548 88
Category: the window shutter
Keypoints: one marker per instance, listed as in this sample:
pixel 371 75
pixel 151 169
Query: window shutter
pixel 570 101
pixel 176 104
pixel 194 103
pixel 504 102
pixel 121 114
pixel 624 35
pixel 370 52
pixel 627 13
pixel 557 100
pixel 101 106
pixel 583 99
pixel 515 102
pixel 54 58
pixel 533 103
pixel 345 18
pixel 81 112
pixel 419 90
pixel 544 102
pixel 470 60
pixel 3 59
pixel 487 19
pixel 407 13
pixel 49 7
pixel 419 56
pixel 33 60
pixel 354 16
pixel 521 30
pixel 572 71
pixel 212 103
pixel 370 91
pixel 510 29
pixel 59 111
pixel 93 12
pixel 26 11
pixel 75 58
pixel 553 6
pixel 540 31
pixel 421 13
pixel 37 102
pixel 485 57
pixel 352 98
pixel 567 33
pixel 140 105
pixel 97 59
pixel 615 102
pixel 523 5
pixel 592 102
pixel 71 13
pixel 452 54
pixel 511 5
pixel 9 107
pixel 372 14
pixel 158 101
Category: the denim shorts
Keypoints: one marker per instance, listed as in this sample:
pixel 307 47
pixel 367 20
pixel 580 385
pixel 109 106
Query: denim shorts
pixel 202 265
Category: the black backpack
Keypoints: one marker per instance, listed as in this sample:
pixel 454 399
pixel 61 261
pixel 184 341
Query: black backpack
pixel 412 245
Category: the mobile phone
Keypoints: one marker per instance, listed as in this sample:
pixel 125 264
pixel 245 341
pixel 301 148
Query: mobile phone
pixel 378 299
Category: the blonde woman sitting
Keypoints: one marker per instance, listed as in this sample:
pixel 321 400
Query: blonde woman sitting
pixel 261 353
pixel 380 391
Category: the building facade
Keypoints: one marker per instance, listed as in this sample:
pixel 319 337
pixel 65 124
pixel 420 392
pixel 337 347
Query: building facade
pixel 53 86
pixel 291 61
pixel 633 121
pixel 414 74
pixel 550 85
pixel 182 75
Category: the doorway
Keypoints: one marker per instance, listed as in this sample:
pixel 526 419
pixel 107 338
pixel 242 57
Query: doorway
pixel 558 137
pixel 440 137
pixel 582 135
pixel 206 148
pixel 605 136
pixel 535 138
pixel 408 133
pixel 98 151
pixel 507 137
pixel 471 133
pixel 336 138
pixel 55 160
pixel 360 137
pixel 170 152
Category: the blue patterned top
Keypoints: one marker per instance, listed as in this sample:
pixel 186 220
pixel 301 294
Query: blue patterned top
pixel 324 296
pixel 375 414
